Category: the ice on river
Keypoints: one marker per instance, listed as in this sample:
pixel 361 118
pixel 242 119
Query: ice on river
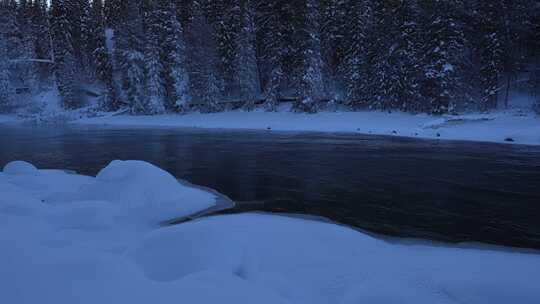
pixel 67 238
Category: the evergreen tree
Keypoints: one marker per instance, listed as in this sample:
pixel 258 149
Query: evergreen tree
pixel 9 29
pixel 116 12
pixel 129 56
pixel 490 49
pixel 337 22
pixel 6 88
pixel 206 83
pixel 64 60
pixel 275 40
pixel 308 38
pixel 442 57
pixel 245 62
pixel 392 59
pixel 155 102
pixel 26 69
pixel 101 57
pixel 42 43
pixel 174 54
pixel 353 65
pixel 87 38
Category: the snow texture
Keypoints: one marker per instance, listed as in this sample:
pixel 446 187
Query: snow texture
pixel 68 238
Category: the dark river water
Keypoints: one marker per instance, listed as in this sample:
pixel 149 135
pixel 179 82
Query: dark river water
pixel 441 190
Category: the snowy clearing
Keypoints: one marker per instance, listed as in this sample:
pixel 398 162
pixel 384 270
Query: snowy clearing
pixel 500 127
pixel 77 239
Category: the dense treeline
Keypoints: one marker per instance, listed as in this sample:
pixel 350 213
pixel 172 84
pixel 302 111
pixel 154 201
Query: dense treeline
pixel 156 56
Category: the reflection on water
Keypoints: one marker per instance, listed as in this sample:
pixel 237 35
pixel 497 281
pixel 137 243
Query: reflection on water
pixel 452 191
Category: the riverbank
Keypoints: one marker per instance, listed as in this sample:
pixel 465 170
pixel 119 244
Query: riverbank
pixel 5 118
pixel 510 127
pixel 514 127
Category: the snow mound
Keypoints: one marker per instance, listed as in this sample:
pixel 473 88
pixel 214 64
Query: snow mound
pixel 147 190
pixel 135 189
pixel 19 167
pixel 312 262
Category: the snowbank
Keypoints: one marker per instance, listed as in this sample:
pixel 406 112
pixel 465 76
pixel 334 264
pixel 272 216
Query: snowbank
pixel 8 118
pixel 136 189
pixel 75 239
pixel 504 127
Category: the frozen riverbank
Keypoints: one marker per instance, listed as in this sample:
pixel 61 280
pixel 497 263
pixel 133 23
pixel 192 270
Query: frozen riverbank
pixel 71 238
pixel 501 127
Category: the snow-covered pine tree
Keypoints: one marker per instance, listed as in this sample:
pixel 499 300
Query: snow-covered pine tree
pixel 275 40
pixel 335 35
pixel 6 89
pixel 86 39
pixel 25 69
pixel 206 83
pixel 358 20
pixel 245 62
pixel 490 48
pixel 129 57
pixel 42 42
pixel 184 11
pixel 442 56
pixel 64 59
pixel 176 77
pixel 116 12
pixel 534 78
pixel 392 55
pixel 309 50
pixel 101 57
pixel 154 88
pixel 224 16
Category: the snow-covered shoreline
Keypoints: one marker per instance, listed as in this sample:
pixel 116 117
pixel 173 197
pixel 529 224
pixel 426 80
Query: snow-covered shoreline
pixel 5 118
pixel 70 238
pixel 500 127
pixel 509 127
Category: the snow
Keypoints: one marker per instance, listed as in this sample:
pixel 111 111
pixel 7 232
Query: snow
pixel 67 238
pixel 8 118
pixel 146 189
pixel 19 167
pixel 306 261
pixel 519 126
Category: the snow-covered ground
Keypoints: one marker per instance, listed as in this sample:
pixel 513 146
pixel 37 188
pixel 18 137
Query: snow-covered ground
pixel 518 125
pixel 68 238
pixel 512 126
pixel 7 118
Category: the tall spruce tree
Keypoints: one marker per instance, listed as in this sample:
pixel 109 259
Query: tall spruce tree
pixel 246 76
pixel 308 43
pixel 64 59
pixel 130 60
pixel 490 49
pixel 442 56
pixel 206 82
pixel 275 40
pixel 101 57
pixel 6 87
pixel 42 42
pixel 392 59
pixel 154 90
pixel 174 54
pixel 358 16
